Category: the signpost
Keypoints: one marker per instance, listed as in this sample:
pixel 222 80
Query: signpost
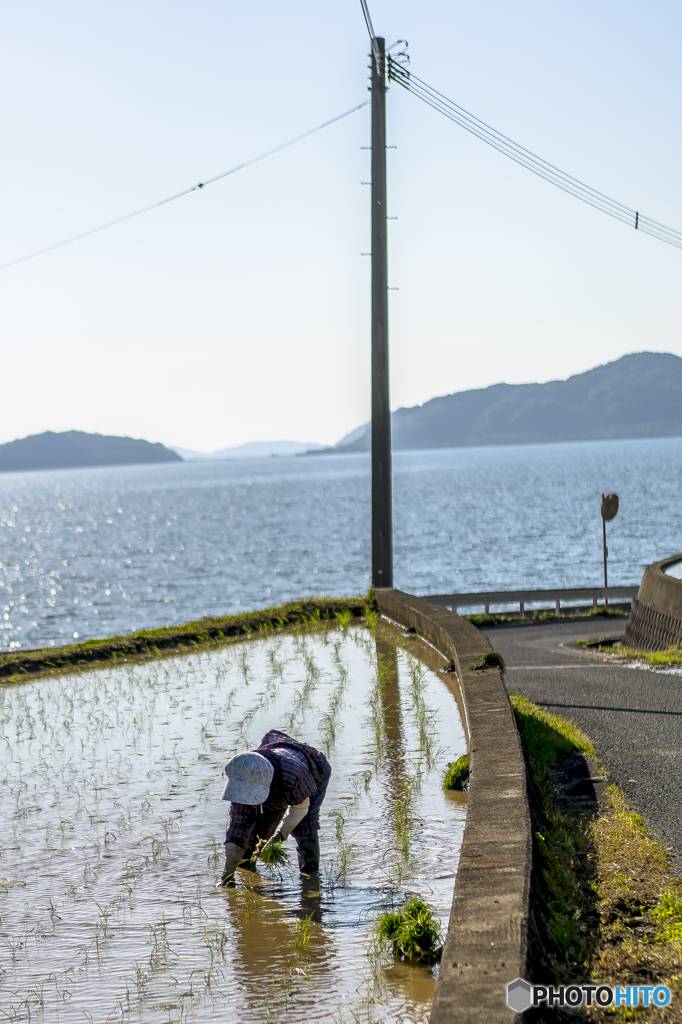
pixel 609 511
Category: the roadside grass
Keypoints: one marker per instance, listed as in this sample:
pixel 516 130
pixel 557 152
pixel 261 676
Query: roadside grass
pixel 497 619
pixel 614 909
pixel 16 665
pixel 671 656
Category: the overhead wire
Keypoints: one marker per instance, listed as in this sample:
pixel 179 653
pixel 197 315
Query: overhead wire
pixel 185 192
pixel 370 28
pixel 399 73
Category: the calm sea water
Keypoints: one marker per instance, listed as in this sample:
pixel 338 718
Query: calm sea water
pixel 100 552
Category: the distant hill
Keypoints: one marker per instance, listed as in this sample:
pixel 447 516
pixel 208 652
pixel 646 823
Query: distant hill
pixel 264 449
pixel 74 448
pixel 253 450
pixel 639 395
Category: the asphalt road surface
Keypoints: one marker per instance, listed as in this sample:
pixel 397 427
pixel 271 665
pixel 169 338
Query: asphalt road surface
pixel 632 715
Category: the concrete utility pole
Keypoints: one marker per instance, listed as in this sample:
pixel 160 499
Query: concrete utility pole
pixel 382 498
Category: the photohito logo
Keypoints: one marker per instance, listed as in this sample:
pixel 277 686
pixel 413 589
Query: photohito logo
pixel 521 995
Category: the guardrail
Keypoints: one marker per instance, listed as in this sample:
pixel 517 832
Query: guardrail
pixel 535 597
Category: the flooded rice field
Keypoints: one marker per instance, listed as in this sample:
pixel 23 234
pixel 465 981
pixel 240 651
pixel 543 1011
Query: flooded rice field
pixel 112 830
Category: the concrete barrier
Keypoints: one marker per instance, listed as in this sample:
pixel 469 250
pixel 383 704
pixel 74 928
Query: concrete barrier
pixel 656 619
pixel 488 934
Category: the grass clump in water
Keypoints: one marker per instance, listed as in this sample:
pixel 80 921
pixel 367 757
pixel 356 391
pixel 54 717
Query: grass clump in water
pixel 413 931
pixel 273 854
pixel 457 774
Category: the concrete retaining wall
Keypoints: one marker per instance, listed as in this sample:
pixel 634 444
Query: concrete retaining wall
pixel 488 934
pixel 656 619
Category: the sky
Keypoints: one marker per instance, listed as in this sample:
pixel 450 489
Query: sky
pixel 241 312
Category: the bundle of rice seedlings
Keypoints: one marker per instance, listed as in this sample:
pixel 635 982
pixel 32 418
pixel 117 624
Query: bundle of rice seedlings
pixel 273 854
pixel 457 774
pixel 413 931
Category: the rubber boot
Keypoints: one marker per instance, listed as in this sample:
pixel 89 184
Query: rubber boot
pixel 248 862
pixel 308 853
pixel 233 856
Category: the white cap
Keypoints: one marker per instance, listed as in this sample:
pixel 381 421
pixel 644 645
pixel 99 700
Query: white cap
pixel 248 778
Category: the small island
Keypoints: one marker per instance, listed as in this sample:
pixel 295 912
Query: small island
pixel 73 449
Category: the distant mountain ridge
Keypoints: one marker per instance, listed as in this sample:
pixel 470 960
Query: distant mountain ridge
pixel 639 395
pixel 73 449
pixel 252 450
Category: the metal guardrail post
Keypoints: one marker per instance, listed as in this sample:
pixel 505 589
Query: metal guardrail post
pixel 556 596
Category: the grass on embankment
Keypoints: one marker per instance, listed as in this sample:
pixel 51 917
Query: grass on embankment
pixel 16 666
pixel 498 619
pixel 618 652
pixel 612 906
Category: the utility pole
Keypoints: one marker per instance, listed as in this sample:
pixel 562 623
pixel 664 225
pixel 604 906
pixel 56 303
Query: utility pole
pixel 382 498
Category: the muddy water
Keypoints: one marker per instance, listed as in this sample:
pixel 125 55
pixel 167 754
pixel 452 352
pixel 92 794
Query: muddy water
pixel 111 832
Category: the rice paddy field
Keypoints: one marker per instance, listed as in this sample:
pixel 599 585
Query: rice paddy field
pixel 111 833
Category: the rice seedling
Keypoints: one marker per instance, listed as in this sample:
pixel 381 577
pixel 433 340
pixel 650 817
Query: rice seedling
pixel 327 727
pixel 250 901
pixel 302 933
pixel 346 850
pixel 141 979
pixel 425 718
pixel 401 814
pixel 216 942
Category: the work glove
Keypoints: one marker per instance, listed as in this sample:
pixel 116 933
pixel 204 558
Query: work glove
pixel 233 857
pixel 278 837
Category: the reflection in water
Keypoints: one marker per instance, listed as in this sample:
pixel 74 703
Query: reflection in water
pixel 387 671
pixel 281 955
pixel 113 827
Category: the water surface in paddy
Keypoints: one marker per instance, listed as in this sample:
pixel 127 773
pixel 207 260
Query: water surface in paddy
pixel 112 832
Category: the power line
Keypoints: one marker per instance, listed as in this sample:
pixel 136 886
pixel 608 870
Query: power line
pixel 368 18
pixel 397 72
pixel 186 192
pixel 370 28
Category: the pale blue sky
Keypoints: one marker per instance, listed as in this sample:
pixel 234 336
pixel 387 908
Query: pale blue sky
pixel 241 312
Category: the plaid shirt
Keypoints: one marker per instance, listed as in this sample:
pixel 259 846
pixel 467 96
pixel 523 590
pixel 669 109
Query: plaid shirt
pixel 300 771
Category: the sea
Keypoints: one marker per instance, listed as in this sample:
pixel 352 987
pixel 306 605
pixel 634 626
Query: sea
pixel 103 552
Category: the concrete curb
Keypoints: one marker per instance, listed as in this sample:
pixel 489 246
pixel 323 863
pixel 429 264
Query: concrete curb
pixel 487 941
pixel 656 620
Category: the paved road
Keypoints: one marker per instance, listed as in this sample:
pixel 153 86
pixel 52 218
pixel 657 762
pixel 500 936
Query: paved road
pixel 633 716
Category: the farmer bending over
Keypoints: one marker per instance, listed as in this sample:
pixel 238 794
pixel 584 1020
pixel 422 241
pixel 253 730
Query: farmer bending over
pixel 281 773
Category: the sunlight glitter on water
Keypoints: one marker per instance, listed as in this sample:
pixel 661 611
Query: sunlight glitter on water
pixel 112 833
pixel 100 552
